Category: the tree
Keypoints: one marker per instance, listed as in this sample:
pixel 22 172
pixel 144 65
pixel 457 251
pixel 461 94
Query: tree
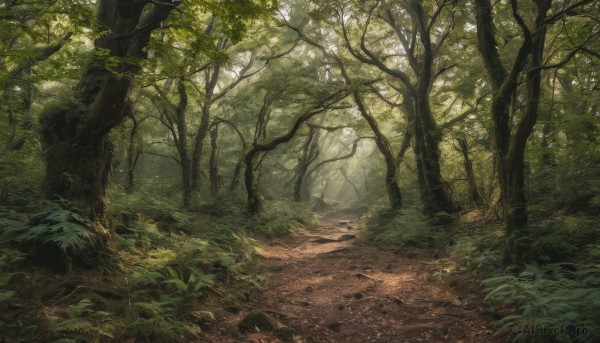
pixel 391 180
pixel 320 105
pixel 510 144
pixel 310 152
pixel 414 29
pixel 75 131
pixel 25 42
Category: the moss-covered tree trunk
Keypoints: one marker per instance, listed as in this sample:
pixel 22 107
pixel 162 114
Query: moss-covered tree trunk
pixel 75 131
pixel 510 148
pixel 427 135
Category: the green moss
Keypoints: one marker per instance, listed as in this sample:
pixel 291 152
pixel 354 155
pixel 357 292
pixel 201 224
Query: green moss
pixel 59 119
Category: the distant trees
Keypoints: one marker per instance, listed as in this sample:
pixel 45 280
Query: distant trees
pixel 421 32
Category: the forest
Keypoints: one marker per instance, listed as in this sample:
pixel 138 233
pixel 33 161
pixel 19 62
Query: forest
pixel 299 171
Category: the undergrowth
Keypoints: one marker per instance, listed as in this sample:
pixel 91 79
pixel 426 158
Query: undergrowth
pixel 560 302
pixel 555 293
pixel 279 218
pixel 478 251
pixel 561 239
pixel 175 270
pixel 55 232
pixel 406 228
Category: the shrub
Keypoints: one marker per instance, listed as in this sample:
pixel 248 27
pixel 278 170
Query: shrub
pixel 55 232
pixel 408 227
pixel 479 252
pixel 557 239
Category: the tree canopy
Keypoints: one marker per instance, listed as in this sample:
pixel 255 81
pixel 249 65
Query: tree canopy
pixel 434 110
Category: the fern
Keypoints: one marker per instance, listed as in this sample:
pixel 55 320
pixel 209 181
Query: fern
pixel 56 223
pixel 555 295
pixel 8 264
pixel 145 277
pixel 80 309
pixel 479 252
pixel 83 321
pixel 9 258
pixel 157 322
pixel 72 325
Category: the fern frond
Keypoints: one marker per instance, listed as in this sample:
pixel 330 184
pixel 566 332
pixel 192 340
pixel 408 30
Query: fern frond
pixel 55 223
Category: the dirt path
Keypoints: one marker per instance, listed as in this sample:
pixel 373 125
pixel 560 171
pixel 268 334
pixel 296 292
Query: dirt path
pixel 331 287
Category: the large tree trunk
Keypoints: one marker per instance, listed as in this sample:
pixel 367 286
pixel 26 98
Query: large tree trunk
pixel 510 149
pixel 503 84
pixel 78 149
pixel 427 135
pixel 433 190
pixel 517 198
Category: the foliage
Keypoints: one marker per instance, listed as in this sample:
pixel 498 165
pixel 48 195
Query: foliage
pixel 57 224
pixel 9 261
pixel 555 295
pixel 82 323
pixel 407 228
pixel 479 252
pixel 20 173
pixel 156 322
pixel 171 274
pixel 558 239
pixel 173 259
pixel 282 218
pixel 152 205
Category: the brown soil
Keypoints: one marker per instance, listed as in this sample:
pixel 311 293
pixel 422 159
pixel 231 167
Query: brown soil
pixel 334 288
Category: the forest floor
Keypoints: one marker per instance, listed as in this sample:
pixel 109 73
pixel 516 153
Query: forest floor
pixel 331 286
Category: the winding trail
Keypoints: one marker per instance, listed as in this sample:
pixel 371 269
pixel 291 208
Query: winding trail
pixel 332 287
